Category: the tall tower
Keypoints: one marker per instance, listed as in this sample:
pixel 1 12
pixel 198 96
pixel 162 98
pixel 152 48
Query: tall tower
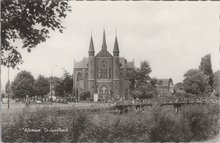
pixel 91 69
pixel 116 70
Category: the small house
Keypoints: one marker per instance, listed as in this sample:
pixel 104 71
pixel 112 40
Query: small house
pixel 165 86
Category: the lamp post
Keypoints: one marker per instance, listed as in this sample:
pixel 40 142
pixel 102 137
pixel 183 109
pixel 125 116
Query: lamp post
pixel 84 73
pixel 51 86
pixel 8 79
pixel 8 85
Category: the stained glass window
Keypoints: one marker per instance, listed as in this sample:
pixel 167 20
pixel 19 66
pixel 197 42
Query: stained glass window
pixel 103 71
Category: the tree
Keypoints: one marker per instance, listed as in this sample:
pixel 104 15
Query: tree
pixel 67 82
pixel 31 21
pixel 23 84
pixel 216 84
pixel 41 86
pixel 145 91
pixel 206 67
pixel 196 82
pixel 143 73
pixel 55 83
pixel 141 84
pixel 64 85
pixel 130 75
pixel 58 88
pixel 2 96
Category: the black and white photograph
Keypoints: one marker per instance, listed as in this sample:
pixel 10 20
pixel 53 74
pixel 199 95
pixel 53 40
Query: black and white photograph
pixel 110 71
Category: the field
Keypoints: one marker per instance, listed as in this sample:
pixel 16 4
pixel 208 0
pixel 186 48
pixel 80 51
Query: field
pixel 77 122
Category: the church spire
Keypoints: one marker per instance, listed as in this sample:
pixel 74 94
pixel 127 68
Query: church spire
pixel 116 48
pixel 104 46
pixel 91 47
pixel 116 44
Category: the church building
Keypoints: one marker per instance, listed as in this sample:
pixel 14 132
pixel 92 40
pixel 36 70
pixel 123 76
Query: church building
pixel 102 74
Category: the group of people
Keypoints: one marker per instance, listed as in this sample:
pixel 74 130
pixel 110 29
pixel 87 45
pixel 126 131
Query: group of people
pixel 28 100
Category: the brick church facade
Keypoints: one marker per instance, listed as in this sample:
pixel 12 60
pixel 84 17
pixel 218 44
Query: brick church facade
pixel 103 73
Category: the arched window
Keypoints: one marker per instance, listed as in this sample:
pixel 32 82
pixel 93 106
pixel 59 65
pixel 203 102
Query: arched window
pixel 103 71
pixel 110 73
pixel 97 73
pixel 79 76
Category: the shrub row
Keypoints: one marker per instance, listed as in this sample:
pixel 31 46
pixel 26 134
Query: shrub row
pixel 193 123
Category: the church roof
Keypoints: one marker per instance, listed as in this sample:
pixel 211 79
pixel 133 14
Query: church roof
pixel 129 65
pixel 81 64
pixel 164 82
pixel 126 64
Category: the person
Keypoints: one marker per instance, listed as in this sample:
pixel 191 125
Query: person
pixel 51 100
pixel 27 100
pixel 133 101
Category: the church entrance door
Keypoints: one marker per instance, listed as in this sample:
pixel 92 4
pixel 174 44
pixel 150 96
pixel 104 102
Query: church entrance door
pixel 104 94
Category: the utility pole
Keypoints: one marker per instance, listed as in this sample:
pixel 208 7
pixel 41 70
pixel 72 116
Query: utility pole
pixel 8 86
pixel 51 86
pixel 8 79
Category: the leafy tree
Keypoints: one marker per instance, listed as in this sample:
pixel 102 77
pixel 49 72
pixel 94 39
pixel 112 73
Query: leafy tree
pixel 141 84
pixel 179 85
pixel 67 82
pixel 130 75
pixel 196 82
pixel 143 73
pixel 41 86
pixel 145 91
pixel 206 67
pixel 23 84
pixel 2 95
pixel 31 21
pixel 146 86
pixel 55 82
pixel 216 84
pixel 59 88
pixel 64 85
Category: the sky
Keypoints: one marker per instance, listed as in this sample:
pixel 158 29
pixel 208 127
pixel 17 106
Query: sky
pixel 171 36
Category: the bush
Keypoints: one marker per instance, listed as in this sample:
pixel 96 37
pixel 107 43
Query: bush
pixel 157 123
pixel 33 126
pixel 202 121
pixel 84 95
pixel 120 128
pixel 194 123
pixel 168 126
pixel 78 122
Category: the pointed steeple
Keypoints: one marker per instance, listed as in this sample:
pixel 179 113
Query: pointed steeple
pixel 116 44
pixel 116 48
pixel 91 47
pixel 104 46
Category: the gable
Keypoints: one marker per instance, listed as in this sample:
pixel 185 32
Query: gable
pixel 103 53
pixel 81 64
